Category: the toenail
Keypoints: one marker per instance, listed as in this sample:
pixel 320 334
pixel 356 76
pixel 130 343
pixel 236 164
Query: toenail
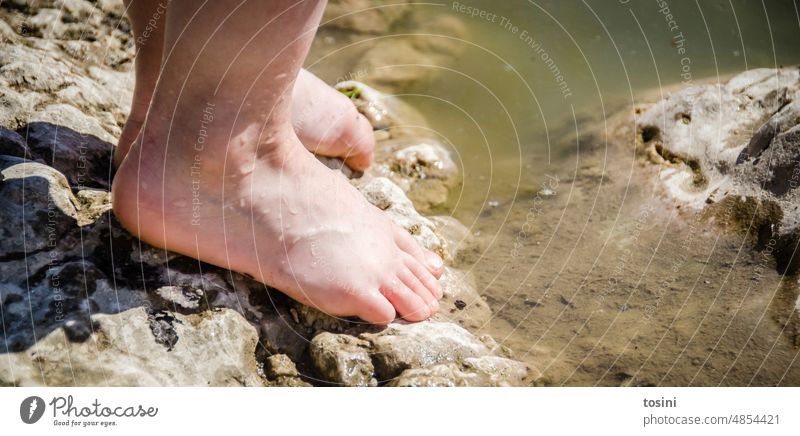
pixel 434 305
pixel 437 262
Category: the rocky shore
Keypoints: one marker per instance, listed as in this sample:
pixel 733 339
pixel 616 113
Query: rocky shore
pixel 82 302
pixel 85 303
pixel 729 151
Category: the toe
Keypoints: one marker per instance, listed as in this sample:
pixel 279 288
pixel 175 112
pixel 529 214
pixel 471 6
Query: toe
pixel 359 140
pixel 407 243
pixel 374 308
pixel 408 304
pixel 425 277
pixel 410 279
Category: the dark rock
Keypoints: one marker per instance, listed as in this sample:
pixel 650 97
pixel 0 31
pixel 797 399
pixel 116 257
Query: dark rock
pixel 84 159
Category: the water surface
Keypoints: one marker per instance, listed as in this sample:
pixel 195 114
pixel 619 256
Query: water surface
pixel 593 280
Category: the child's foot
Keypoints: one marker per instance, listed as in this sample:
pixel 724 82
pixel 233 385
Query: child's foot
pixel 326 121
pixel 329 124
pixel 218 174
pixel 283 218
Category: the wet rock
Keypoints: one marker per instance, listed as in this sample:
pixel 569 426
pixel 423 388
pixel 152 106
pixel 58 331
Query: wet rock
pixel 461 302
pixel 390 117
pixel 397 64
pixel 483 371
pixel 388 197
pixel 342 359
pixel 281 371
pixel 123 352
pixel 421 167
pixel 362 16
pixel 732 152
pixel 397 348
pixel 457 237
pixel 44 194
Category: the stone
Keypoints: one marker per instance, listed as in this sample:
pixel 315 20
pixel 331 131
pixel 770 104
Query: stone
pixel 457 237
pixel 281 371
pixel 730 153
pixel 386 113
pixel 12 144
pixel 342 359
pixel 211 351
pixel 461 302
pixel 362 16
pixel 422 167
pixel 388 197
pixel 484 371
pixel 79 287
pixel 84 158
pixel 396 348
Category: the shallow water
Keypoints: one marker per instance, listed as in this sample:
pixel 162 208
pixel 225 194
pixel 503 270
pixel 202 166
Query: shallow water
pixel 597 283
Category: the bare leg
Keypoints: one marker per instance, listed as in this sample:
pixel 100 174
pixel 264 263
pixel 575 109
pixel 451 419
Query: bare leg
pixel 219 173
pixel 326 122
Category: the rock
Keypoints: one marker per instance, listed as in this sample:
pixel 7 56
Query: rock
pixel 78 287
pixel 362 16
pixel 483 371
pixel 701 131
pixel 183 297
pixel 41 191
pixel 386 113
pixel 85 159
pixel 450 356
pixel 397 347
pixel 71 117
pixel 12 144
pixel 342 359
pixel 461 302
pixel 399 63
pixel 211 351
pixel 422 167
pixel 731 152
pixel 388 197
pixel 457 237
pixel 281 371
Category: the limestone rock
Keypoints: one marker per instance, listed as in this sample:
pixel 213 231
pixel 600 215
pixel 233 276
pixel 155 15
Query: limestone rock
pixel 387 114
pixel 363 16
pixel 397 347
pixel 388 197
pixel 342 359
pixel 121 351
pixel 422 354
pixel 482 371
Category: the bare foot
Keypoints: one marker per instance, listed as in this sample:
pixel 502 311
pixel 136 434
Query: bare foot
pixel 218 173
pixel 328 123
pixel 324 119
pixel 311 235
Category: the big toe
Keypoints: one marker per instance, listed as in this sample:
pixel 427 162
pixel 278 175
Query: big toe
pixel 374 308
pixel 358 140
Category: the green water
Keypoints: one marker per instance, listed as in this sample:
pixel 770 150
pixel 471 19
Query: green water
pixel 597 284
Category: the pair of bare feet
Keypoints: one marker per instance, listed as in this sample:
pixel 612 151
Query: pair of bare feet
pixel 214 161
